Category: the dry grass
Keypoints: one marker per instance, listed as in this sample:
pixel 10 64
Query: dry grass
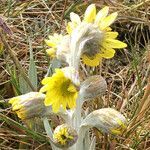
pixel 126 74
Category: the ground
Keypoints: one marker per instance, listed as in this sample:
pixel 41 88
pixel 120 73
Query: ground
pixel 127 74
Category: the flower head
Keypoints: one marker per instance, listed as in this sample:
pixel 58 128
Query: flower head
pixel 29 105
pixel 53 42
pixel 93 86
pixel 59 47
pixel 64 136
pixel 95 36
pixel 107 120
pixel 60 89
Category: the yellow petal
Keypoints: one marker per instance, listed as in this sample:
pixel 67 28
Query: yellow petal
pixel 50 43
pixel 108 21
pixel 71 88
pixel 21 114
pixel 71 103
pixel 121 123
pixel 69 28
pixel 92 61
pixel 14 99
pixel 51 52
pixel 111 43
pixel 16 107
pixel 59 71
pixel 44 89
pixel 108 29
pixel 64 105
pixel 90 13
pixel 101 15
pixel 48 101
pixel 108 53
pixel 56 106
pixel 115 131
pixel 111 35
pixel 46 80
pixel 75 18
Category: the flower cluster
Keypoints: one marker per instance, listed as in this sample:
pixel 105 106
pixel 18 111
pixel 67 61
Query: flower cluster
pixel 97 40
pixel 91 40
pixel 88 41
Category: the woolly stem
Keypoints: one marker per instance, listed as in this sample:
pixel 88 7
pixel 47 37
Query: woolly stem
pixel 49 133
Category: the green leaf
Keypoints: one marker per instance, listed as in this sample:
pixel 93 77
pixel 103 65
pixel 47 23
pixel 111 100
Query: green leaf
pixel 37 136
pixel 24 87
pixel 32 68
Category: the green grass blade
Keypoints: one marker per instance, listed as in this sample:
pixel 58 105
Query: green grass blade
pixel 32 68
pixel 34 135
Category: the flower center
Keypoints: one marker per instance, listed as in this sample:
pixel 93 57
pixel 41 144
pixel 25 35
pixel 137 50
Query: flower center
pixel 91 40
pixel 63 137
pixel 67 88
pixel 91 47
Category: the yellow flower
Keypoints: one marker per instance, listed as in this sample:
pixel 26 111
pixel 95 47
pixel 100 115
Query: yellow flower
pixel 29 105
pixel 53 42
pixel 64 136
pixel 104 42
pixel 59 47
pixel 60 90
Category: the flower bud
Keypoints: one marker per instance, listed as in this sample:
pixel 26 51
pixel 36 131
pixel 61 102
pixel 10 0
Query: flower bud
pixel 107 120
pixel 93 86
pixel 30 105
pixel 64 136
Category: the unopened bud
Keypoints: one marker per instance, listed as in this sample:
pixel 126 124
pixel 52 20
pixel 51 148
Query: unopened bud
pixel 93 86
pixel 64 136
pixel 107 120
pixel 30 105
